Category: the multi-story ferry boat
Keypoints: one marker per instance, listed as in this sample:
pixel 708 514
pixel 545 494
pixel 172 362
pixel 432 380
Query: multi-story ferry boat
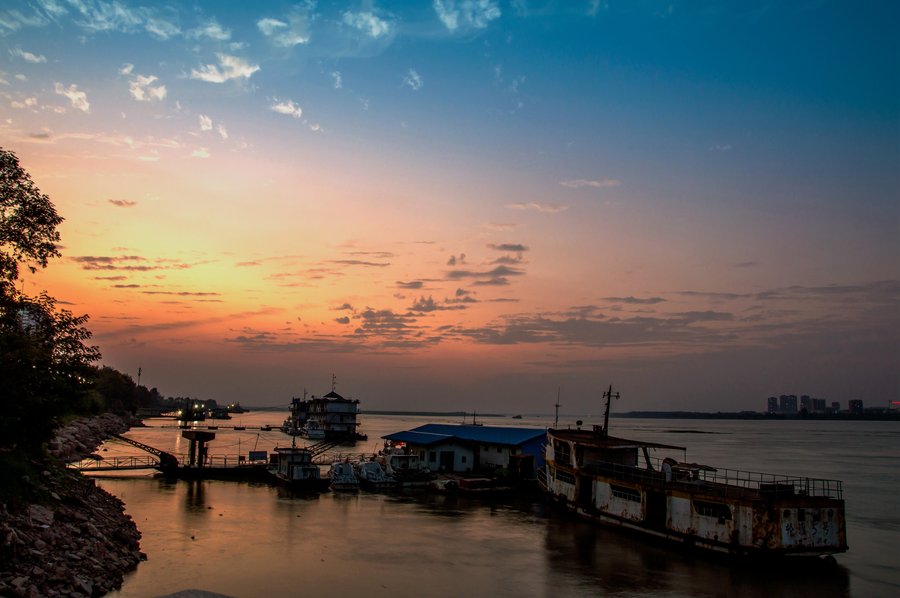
pixel 615 481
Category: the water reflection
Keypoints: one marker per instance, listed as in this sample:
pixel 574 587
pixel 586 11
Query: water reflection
pixel 581 556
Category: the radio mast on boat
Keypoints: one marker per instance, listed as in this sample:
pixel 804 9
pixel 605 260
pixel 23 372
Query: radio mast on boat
pixel 556 419
pixel 608 395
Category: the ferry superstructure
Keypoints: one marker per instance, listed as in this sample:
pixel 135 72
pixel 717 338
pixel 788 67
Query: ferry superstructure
pixel 616 481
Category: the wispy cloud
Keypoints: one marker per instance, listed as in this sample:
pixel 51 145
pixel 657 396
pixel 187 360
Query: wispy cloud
pixel 293 31
pixel 538 207
pixel 132 263
pixel 161 29
pixel 595 183
pixel 413 284
pixel 635 300
pixel 142 89
pixel 28 56
pixel 338 80
pixel 498 276
pixel 200 152
pixel 212 30
pixel 77 98
pixel 229 67
pixel 413 80
pixel 206 123
pixel 287 107
pixel 368 23
pixel 517 247
pixel 123 203
pixel 462 15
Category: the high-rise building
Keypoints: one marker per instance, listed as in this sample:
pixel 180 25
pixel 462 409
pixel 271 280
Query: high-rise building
pixel 772 406
pixel 855 406
pixel 787 403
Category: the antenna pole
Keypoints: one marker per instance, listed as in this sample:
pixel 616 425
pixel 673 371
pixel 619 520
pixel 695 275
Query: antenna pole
pixel 556 419
pixel 333 382
pixel 608 395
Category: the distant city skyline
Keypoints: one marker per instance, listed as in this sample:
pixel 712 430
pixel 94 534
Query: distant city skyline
pixel 468 205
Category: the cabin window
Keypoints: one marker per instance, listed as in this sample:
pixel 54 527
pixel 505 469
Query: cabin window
pixel 432 457
pixel 625 492
pixel 563 452
pixel 499 450
pixel 564 476
pixel 712 509
pixel 462 459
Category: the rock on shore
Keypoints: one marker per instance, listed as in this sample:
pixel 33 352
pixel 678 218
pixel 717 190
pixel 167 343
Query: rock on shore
pixel 81 437
pixel 78 541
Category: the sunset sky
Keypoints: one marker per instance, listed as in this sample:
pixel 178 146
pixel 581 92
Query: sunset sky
pixel 468 204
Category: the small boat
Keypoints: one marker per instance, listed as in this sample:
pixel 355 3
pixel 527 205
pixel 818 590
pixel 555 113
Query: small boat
pixel 372 476
pixel 615 481
pixel 405 468
pixel 343 476
pixel 313 431
pixel 296 471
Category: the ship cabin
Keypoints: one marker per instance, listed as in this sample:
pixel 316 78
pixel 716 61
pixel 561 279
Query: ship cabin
pixel 469 448
pixel 332 413
pixel 591 450
pixel 617 482
pixel 295 464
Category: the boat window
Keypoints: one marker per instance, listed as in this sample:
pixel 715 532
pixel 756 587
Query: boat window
pixel 463 459
pixel 625 492
pixel 564 476
pixel 563 452
pixel 712 509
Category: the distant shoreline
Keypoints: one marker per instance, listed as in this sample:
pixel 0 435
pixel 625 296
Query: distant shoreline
pixel 739 415
pixel 760 416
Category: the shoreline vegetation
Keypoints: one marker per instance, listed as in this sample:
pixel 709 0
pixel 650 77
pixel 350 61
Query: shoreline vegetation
pixel 61 535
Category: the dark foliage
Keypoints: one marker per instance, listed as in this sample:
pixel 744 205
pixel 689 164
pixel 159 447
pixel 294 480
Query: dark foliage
pixel 45 365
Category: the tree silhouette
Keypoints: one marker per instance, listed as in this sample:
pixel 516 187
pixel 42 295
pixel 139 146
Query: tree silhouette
pixel 45 365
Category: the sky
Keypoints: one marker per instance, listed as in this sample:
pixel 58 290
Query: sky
pixel 471 205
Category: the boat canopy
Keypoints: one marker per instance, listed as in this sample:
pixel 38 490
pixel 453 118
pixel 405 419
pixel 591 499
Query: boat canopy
pixel 595 439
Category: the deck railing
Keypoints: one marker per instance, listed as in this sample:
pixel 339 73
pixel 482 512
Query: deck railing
pixel 721 482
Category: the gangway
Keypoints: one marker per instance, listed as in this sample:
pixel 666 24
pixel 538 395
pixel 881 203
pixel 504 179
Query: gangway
pixel 166 460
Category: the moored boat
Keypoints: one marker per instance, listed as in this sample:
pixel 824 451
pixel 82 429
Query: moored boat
pixel 343 476
pixel 616 482
pixel 373 477
pixel 296 470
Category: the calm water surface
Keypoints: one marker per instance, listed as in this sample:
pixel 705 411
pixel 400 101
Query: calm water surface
pixel 255 540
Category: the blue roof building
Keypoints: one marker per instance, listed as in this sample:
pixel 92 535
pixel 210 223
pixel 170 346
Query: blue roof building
pixel 464 447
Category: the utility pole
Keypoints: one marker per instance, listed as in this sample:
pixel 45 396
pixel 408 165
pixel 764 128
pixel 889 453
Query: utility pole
pixel 139 376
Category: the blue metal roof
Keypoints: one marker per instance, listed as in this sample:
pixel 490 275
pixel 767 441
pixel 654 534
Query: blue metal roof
pixel 417 438
pixel 433 433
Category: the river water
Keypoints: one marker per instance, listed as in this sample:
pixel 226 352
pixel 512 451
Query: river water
pixel 246 540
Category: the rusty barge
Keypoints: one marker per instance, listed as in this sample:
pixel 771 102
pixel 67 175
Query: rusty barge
pixel 616 482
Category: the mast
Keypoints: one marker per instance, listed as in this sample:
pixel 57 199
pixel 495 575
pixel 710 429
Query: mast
pixel 556 419
pixel 608 395
pixel 333 382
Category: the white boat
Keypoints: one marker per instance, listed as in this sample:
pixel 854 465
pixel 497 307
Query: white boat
pixel 373 477
pixel 343 476
pixel 615 481
pixel 405 468
pixel 296 470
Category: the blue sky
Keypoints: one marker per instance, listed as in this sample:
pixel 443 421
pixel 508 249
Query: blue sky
pixel 475 194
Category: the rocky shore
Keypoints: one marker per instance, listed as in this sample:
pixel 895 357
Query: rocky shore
pixel 75 540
